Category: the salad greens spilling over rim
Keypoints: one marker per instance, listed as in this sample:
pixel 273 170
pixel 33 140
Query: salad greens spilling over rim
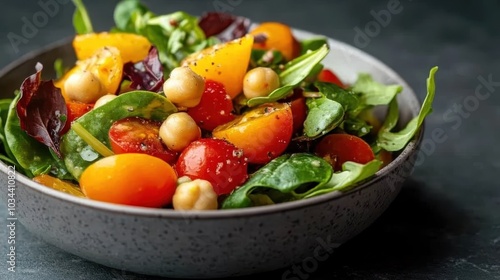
pixel 34 138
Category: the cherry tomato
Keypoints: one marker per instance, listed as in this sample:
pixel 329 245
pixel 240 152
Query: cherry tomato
pixel 263 132
pixel 216 161
pixel 138 135
pixel 327 75
pixel 299 111
pixel 215 107
pixel 130 179
pixel 342 147
pixel 275 36
pixel 58 184
pixel 75 110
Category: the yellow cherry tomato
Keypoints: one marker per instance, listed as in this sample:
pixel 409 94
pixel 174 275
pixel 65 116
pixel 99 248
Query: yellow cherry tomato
pixel 59 185
pixel 132 47
pixel 130 179
pixel 226 63
pixel 276 36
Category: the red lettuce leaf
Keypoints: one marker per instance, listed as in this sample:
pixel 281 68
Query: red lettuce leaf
pixel 146 74
pixel 42 110
pixel 224 26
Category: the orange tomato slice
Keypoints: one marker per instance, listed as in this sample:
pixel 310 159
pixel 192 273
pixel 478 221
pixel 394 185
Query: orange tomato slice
pixel 132 47
pixel 226 63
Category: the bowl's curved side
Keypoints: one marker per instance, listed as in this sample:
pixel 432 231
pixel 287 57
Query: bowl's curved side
pixel 206 248
pixel 221 243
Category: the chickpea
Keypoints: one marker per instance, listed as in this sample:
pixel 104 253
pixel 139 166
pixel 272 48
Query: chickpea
pixel 195 195
pixel 260 82
pixel 184 87
pixel 178 131
pixel 84 87
pixel 104 99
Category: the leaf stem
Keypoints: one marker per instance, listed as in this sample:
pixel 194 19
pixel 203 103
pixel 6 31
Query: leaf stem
pixel 93 142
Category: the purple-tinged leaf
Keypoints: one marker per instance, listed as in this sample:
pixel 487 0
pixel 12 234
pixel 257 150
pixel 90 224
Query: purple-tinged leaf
pixel 42 110
pixel 146 74
pixel 224 26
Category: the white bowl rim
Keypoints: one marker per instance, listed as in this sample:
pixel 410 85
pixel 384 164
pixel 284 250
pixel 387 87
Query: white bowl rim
pixel 410 148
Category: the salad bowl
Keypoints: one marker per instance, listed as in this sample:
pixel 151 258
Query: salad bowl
pixel 210 244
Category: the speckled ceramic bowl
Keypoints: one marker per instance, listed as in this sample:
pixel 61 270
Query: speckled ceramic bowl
pixel 211 244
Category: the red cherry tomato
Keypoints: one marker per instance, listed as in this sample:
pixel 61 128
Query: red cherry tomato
pixel 76 110
pixel 299 112
pixel 339 148
pixel 263 132
pixel 138 135
pixel 216 161
pixel 327 75
pixel 215 107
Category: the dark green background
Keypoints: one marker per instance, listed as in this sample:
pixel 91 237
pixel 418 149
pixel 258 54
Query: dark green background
pixel 445 224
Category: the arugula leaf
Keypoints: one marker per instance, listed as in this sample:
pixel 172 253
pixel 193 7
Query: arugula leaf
pixel 286 174
pixel 295 72
pixel 323 116
pixel 395 141
pixel 374 93
pixel 81 20
pixel 352 173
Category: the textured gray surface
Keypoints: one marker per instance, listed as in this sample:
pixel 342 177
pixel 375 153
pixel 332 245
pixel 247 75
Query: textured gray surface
pixel 445 224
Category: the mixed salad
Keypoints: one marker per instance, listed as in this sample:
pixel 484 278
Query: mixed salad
pixel 200 113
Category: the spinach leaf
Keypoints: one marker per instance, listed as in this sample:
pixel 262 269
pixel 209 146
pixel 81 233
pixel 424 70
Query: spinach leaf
pixel 33 157
pixel 323 116
pixel 347 98
pixel 78 154
pixel 356 126
pixel 295 72
pixel 286 174
pixel 81 19
pixel 395 141
pixel 374 93
pixel 352 173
